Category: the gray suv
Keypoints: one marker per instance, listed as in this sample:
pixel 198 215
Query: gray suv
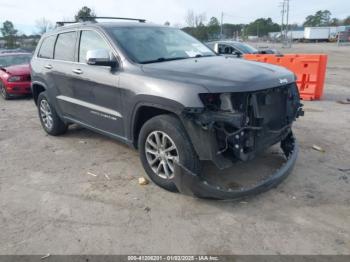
pixel 165 93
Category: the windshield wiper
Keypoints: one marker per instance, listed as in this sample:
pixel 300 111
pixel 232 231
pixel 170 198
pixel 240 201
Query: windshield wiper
pixel 199 55
pixel 163 59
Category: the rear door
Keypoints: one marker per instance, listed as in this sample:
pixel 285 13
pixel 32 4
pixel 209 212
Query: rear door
pixel 42 65
pixel 62 71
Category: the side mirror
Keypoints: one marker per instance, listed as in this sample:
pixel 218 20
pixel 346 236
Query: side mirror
pixel 216 48
pixel 237 53
pixel 101 57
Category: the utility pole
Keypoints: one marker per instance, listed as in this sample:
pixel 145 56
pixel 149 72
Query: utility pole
pixel 282 22
pixel 222 25
pixel 287 23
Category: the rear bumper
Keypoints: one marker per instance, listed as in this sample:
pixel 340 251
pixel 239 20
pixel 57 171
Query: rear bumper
pixel 192 184
pixel 18 88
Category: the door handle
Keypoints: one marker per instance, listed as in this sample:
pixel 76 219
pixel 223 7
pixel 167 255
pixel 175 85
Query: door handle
pixel 77 71
pixel 48 67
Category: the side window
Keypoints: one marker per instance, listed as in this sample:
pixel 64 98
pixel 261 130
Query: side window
pixel 65 46
pixel 46 49
pixel 90 40
pixel 222 49
pixel 226 49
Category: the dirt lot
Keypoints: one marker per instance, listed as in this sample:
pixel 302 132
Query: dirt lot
pixel 49 204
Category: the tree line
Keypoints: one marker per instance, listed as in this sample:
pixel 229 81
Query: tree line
pixel 196 25
pixel 11 36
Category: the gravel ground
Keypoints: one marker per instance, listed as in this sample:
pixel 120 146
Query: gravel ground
pixel 50 204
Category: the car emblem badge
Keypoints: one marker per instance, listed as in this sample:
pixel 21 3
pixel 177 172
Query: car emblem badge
pixel 284 81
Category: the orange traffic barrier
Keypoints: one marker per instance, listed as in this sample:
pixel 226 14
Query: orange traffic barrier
pixel 310 70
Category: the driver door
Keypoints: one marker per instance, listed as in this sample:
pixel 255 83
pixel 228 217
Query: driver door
pixel 96 87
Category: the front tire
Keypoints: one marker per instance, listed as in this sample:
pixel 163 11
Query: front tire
pixel 3 91
pixel 162 141
pixel 50 121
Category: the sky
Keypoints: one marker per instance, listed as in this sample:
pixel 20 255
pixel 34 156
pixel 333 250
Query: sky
pixel 25 13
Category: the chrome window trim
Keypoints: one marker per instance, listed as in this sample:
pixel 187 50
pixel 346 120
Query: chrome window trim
pixel 79 30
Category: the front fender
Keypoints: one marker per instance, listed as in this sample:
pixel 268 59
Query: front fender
pixel 150 101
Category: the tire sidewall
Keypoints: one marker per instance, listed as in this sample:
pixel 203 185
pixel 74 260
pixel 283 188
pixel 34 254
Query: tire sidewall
pixel 3 89
pixel 174 129
pixel 57 125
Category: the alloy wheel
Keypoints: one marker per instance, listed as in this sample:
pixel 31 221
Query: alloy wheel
pixel 46 114
pixel 161 153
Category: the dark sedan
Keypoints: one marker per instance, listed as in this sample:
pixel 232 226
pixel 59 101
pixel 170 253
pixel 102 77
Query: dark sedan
pixel 237 49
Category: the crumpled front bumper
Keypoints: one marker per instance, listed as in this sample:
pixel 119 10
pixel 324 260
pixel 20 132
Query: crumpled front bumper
pixel 192 184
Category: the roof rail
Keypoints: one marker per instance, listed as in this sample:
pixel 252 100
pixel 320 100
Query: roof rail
pixel 93 19
pixel 116 18
pixel 62 23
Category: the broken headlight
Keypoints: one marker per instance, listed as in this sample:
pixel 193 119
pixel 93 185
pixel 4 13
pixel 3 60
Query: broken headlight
pixel 218 102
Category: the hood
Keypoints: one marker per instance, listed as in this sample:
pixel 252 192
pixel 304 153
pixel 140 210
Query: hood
pixel 18 70
pixel 221 74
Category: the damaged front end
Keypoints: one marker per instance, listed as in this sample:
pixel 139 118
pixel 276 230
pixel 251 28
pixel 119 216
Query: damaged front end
pixel 236 127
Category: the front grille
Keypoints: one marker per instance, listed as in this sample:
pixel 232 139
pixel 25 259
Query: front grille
pixel 267 117
pixel 26 78
pixel 271 110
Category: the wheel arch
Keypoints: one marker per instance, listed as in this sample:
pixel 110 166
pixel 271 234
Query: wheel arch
pixel 37 88
pixel 147 109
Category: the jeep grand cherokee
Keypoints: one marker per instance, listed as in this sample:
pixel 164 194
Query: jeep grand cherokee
pixel 163 92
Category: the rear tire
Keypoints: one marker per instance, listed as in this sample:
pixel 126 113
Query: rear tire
pixel 3 91
pixel 50 121
pixel 156 155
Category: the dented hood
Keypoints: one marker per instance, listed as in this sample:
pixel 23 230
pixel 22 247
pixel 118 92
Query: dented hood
pixel 221 74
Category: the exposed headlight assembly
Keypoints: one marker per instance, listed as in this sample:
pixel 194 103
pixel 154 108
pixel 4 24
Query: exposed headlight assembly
pixel 217 102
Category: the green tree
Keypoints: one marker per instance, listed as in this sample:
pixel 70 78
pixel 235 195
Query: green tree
pixel 334 22
pixel 320 18
pixel 347 21
pixel 9 33
pixel 232 30
pixel 43 25
pixel 196 25
pixel 261 27
pixel 200 32
pixel 213 28
pixel 84 13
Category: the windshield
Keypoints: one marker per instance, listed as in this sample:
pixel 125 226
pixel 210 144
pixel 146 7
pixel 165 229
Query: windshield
pixel 158 44
pixel 10 60
pixel 246 49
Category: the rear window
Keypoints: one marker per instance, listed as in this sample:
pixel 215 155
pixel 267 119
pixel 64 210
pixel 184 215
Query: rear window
pixel 65 46
pixel 46 49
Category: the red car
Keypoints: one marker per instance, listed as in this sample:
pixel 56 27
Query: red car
pixel 15 74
